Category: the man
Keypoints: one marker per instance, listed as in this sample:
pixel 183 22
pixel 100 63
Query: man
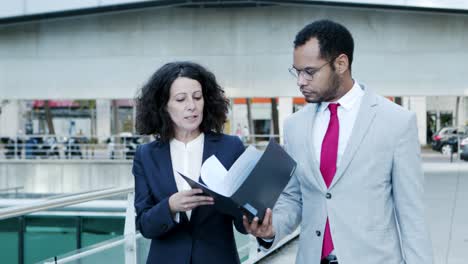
pixel 358 188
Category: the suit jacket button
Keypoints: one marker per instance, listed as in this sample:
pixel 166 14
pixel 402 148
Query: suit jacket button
pixel 318 233
pixel 328 195
pixel 164 227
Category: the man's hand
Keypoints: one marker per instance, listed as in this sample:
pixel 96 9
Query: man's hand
pixel 187 200
pixel 265 230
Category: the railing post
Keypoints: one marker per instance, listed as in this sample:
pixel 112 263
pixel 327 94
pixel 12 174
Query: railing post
pixel 15 154
pixel 253 249
pixel 130 231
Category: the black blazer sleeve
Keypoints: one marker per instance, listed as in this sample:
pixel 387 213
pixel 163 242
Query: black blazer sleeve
pixel 154 218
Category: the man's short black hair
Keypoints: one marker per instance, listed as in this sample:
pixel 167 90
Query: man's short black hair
pixel 152 117
pixel 333 38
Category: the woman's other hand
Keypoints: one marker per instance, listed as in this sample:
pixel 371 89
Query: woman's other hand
pixel 187 200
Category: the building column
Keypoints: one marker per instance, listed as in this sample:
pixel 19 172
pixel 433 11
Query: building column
pixel 285 109
pixel 417 104
pixel 9 118
pixel 462 112
pixel 103 118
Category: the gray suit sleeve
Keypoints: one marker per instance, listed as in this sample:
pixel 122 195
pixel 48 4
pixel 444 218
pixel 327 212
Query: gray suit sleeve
pixel 287 212
pixel 408 191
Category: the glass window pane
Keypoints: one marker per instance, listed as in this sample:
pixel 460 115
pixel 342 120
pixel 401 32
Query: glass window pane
pixel 47 236
pixel 98 229
pixel 9 239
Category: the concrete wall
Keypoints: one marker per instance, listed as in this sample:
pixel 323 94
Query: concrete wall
pixel 249 49
pixel 46 176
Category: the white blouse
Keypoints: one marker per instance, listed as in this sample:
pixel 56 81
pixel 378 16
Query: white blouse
pixel 186 159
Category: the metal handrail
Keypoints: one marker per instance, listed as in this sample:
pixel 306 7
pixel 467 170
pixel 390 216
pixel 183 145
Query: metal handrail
pixel 62 202
pixel 12 189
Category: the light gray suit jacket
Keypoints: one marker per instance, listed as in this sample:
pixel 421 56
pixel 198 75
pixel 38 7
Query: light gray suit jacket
pixel 374 203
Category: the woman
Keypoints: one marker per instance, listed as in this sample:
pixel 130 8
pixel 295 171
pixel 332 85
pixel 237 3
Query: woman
pixel 185 108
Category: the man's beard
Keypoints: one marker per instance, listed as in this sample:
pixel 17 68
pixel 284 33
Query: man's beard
pixel 331 93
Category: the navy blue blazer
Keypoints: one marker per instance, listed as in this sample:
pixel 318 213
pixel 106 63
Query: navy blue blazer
pixel 208 236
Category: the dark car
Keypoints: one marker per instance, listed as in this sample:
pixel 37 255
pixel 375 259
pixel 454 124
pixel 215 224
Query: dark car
pixel 124 145
pixel 446 140
pixel 11 146
pixel 464 149
pixel 73 147
pixel 41 147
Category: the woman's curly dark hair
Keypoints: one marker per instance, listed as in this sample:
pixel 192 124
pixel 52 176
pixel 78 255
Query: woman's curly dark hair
pixel 152 117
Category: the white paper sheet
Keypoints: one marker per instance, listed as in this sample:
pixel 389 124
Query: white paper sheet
pixel 241 169
pixel 214 174
pixel 226 183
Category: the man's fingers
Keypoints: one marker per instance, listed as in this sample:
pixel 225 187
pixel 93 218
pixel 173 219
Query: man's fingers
pixel 251 228
pixel 245 221
pixel 268 220
pixel 254 225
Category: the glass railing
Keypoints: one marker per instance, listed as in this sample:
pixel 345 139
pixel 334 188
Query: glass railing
pixel 91 233
pixel 114 250
pixel 110 251
pixel 34 228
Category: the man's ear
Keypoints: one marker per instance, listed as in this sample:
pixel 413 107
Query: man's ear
pixel 341 63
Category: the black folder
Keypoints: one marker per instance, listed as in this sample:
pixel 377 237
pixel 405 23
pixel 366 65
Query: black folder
pixel 261 188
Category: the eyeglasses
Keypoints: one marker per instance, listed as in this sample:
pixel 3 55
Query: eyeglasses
pixel 307 73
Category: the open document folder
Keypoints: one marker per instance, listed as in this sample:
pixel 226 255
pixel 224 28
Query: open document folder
pixel 252 184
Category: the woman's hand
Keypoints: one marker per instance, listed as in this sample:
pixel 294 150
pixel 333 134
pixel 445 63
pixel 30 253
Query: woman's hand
pixel 187 200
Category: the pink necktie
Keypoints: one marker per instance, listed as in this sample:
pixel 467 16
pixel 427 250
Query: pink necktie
pixel 328 157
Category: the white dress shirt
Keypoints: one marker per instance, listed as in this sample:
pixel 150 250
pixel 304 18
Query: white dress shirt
pixel 186 159
pixel 347 114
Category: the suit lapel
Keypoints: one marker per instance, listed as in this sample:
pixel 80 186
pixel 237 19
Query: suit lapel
pixel 362 124
pixel 209 148
pixel 313 165
pixel 161 156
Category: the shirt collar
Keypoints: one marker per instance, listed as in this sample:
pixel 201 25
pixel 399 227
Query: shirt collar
pixel 348 101
pixel 196 141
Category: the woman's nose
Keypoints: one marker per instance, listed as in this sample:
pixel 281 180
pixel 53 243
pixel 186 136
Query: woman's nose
pixel 190 104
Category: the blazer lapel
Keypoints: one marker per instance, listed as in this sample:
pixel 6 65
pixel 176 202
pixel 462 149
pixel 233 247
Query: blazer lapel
pixel 314 164
pixel 161 156
pixel 363 121
pixel 209 148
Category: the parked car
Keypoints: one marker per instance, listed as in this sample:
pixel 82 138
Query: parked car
pixel 9 146
pixel 124 143
pixel 446 140
pixel 73 147
pixel 464 149
pixel 41 147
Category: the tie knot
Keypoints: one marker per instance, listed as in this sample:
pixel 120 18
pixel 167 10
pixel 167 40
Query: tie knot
pixel 333 108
